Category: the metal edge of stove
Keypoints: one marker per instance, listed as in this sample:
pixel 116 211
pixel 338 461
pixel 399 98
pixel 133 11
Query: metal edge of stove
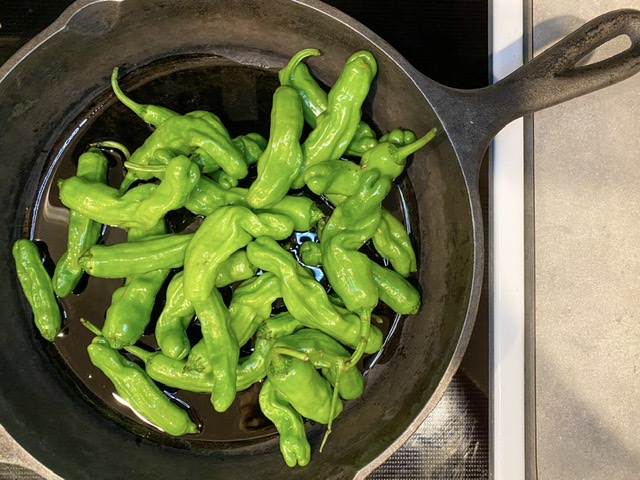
pixel 510 263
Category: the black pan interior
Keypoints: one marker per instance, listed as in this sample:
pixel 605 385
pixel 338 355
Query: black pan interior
pixel 62 424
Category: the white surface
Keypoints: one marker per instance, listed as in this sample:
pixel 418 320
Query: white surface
pixel 506 259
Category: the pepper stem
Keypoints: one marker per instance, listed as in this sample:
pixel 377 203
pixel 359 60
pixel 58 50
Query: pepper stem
pixel 334 403
pixel 136 167
pixel 286 73
pixel 143 355
pixel 365 328
pixel 91 327
pixel 113 145
pixel 405 151
pixel 290 352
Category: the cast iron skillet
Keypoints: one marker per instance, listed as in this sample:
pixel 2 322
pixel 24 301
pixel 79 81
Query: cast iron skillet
pixel 47 87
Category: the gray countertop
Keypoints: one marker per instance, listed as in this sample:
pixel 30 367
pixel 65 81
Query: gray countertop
pixel 587 268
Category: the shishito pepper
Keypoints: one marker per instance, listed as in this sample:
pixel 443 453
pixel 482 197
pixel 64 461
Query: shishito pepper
pixel 294 446
pixel 305 298
pixel 178 311
pixel 279 165
pixel 222 347
pixel 105 205
pixel 197 134
pixel 394 290
pixel 139 391
pixel 37 288
pixel 303 387
pixel 337 126
pixel 348 270
pixel 132 304
pixel 222 233
pixel 124 259
pixel 82 231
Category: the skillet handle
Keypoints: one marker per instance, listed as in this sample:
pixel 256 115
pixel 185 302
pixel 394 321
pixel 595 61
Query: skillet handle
pixel 473 117
pixel 554 77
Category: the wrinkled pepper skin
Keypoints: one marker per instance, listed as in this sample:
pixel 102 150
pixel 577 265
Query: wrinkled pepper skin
pixel 294 446
pixel 305 298
pixel 222 347
pixel 221 234
pixel 139 391
pixel 200 134
pixel 279 165
pixel 315 101
pixel 37 288
pixel 394 290
pixel 251 304
pixel 337 126
pixel 105 205
pixel 253 368
pixel 132 304
pixel 82 231
pixel 178 312
pixel 251 145
pixel 351 224
pixel 303 387
pixel 393 243
pixel 327 355
pixel 130 258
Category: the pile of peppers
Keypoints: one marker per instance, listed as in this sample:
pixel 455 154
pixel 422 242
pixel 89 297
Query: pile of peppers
pixel 306 357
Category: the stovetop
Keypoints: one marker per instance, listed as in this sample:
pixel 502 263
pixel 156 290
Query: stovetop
pixel 448 42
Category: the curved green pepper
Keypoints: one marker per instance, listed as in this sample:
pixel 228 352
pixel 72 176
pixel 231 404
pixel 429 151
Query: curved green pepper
pixel 303 387
pixel 337 126
pixel 222 347
pixel 139 391
pixel 183 135
pixel 37 288
pixel 225 231
pixel 129 258
pixel 294 446
pixel 82 231
pixel 178 312
pixel 305 298
pixel 393 243
pixel 105 205
pixel 151 114
pixel 251 304
pixel 280 164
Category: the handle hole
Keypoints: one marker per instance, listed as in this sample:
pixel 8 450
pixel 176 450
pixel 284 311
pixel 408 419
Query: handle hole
pixel 609 49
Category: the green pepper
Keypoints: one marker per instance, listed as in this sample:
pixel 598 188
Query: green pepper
pixel 37 288
pixel 225 231
pixel 348 270
pixel 280 164
pixel 132 304
pixel 129 258
pixel 326 354
pixel 393 243
pixel 105 205
pixel 151 114
pixel 178 312
pixel 337 126
pixel 208 196
pixel 139 391
pixel 251 304
pixel 303 387
pixel 294 446
pixel 315 101
pixel 222 347
pixel 305 298
pixel 201 133
pixel 251 145
pixel 82 231
pixel 394 291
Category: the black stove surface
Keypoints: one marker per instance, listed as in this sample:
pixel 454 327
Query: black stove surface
pixel 447 41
